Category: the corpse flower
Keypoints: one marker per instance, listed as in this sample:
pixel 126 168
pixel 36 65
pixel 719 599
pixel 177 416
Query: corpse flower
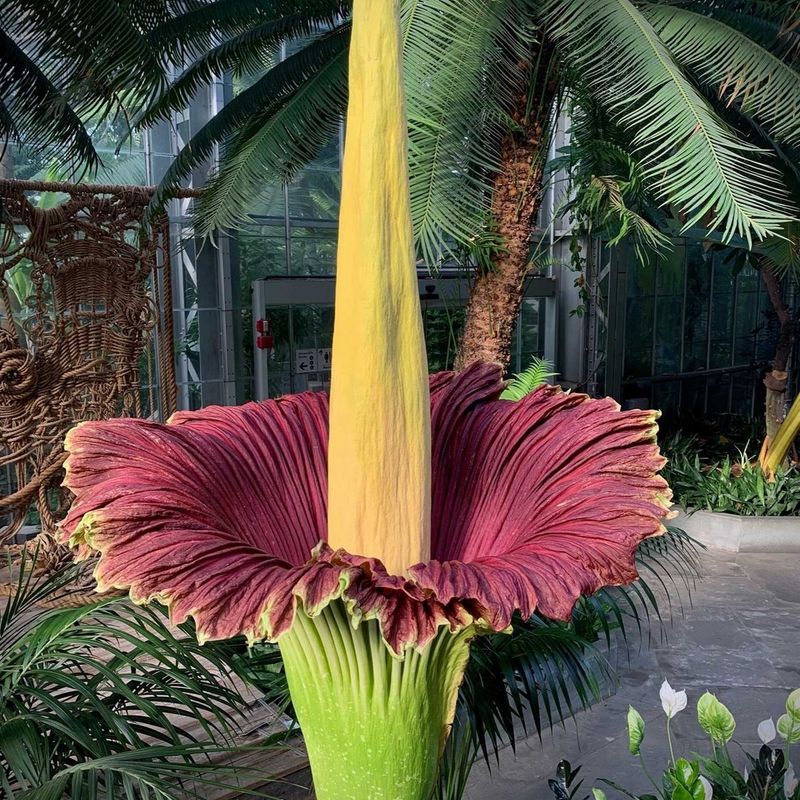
pixel 373 536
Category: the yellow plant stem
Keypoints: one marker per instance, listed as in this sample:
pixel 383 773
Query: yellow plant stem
pixel 778 448
pixel 379 452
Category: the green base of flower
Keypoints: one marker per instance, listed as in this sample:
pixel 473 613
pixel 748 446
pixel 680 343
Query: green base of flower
pixel 374 725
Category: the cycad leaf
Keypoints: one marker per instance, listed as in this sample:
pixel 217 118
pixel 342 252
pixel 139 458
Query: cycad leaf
pixel 245 52
pixel 275 148
pixel 253 108
pixel 737 67
pixel 692 158
pixel 200 26
pixel 459 60
pixel 36 110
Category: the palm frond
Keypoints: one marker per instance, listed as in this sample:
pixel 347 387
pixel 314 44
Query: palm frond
pixel 768 22
pixel 530 379
pixel 608 195
pixel 461 62
pixel 461 72
pixel 251 110
pixel 106 699
pixel 605 204
pixel 669 566
pixel 740 70
pixel 272 150
pixel 61 68
pixel 693 160
pixel 540 674
pixel 36 110
pixel 203 24
pixel 459 755
pixel 71 42
pixel 245 52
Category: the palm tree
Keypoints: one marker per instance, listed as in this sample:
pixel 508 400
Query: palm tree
pixel 610 198
pixel 484 82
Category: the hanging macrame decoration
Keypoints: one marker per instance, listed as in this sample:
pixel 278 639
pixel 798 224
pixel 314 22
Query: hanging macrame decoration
pixel 85 331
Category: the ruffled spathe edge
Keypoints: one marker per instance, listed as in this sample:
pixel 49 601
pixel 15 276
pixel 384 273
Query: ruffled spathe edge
pixel 535 502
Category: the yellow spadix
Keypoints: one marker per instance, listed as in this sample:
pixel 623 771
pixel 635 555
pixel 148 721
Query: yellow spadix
pixel 379 451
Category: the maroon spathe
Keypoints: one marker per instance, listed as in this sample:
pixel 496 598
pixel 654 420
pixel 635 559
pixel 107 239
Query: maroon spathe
pixel 221 513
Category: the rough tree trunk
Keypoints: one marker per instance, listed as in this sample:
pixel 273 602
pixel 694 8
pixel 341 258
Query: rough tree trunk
pixel 497 292
pixel 776 379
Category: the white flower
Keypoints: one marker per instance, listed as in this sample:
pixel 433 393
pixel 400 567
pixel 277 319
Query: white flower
pixel 789 781
pixel 708 791
pixel 766 730
pixel 671 701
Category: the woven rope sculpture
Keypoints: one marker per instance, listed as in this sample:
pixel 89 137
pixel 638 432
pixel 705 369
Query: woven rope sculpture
pixel 83 300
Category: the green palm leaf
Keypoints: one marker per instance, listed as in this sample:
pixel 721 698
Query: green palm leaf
pixel 291 135
pixel 191 31
pixel 461 73
pixel 244 52
pixel 693 159
pixel 60 68
pixel 108 700
pixel 248 112
pixel 734 65
pixel 36 109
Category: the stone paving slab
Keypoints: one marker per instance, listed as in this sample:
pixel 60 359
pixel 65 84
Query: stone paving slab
pixel 740 639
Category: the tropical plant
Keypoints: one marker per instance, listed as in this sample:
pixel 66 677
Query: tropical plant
pixel 610 198
pixel 483 84
pixel 412 514
pixel 107 699
pixel 768 776
pixel 735 486
pixel 542 671
pixel 484 81
pixel 67 67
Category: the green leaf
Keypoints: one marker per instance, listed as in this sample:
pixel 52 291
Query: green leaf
pixel 788 728
pixel 715 718
pixel 265 112
pixel 686 772
pixel 635 730
pixel 97 700
pixel 277 142
pixel 737 68
pixel 697 163
pixel 528 381
pixel 461 62
pixel 598 794
pixel 686 778
pixel 793 705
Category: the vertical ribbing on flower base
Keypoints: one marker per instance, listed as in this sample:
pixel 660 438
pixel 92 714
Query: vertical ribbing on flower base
pixel 374 724
pixel 379 450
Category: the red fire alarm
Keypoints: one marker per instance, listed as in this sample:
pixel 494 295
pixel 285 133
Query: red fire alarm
pixel 264 338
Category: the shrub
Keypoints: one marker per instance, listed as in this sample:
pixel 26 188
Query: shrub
pixel 733 485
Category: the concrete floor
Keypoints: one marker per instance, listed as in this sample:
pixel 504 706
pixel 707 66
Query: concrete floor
pixel 740 639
